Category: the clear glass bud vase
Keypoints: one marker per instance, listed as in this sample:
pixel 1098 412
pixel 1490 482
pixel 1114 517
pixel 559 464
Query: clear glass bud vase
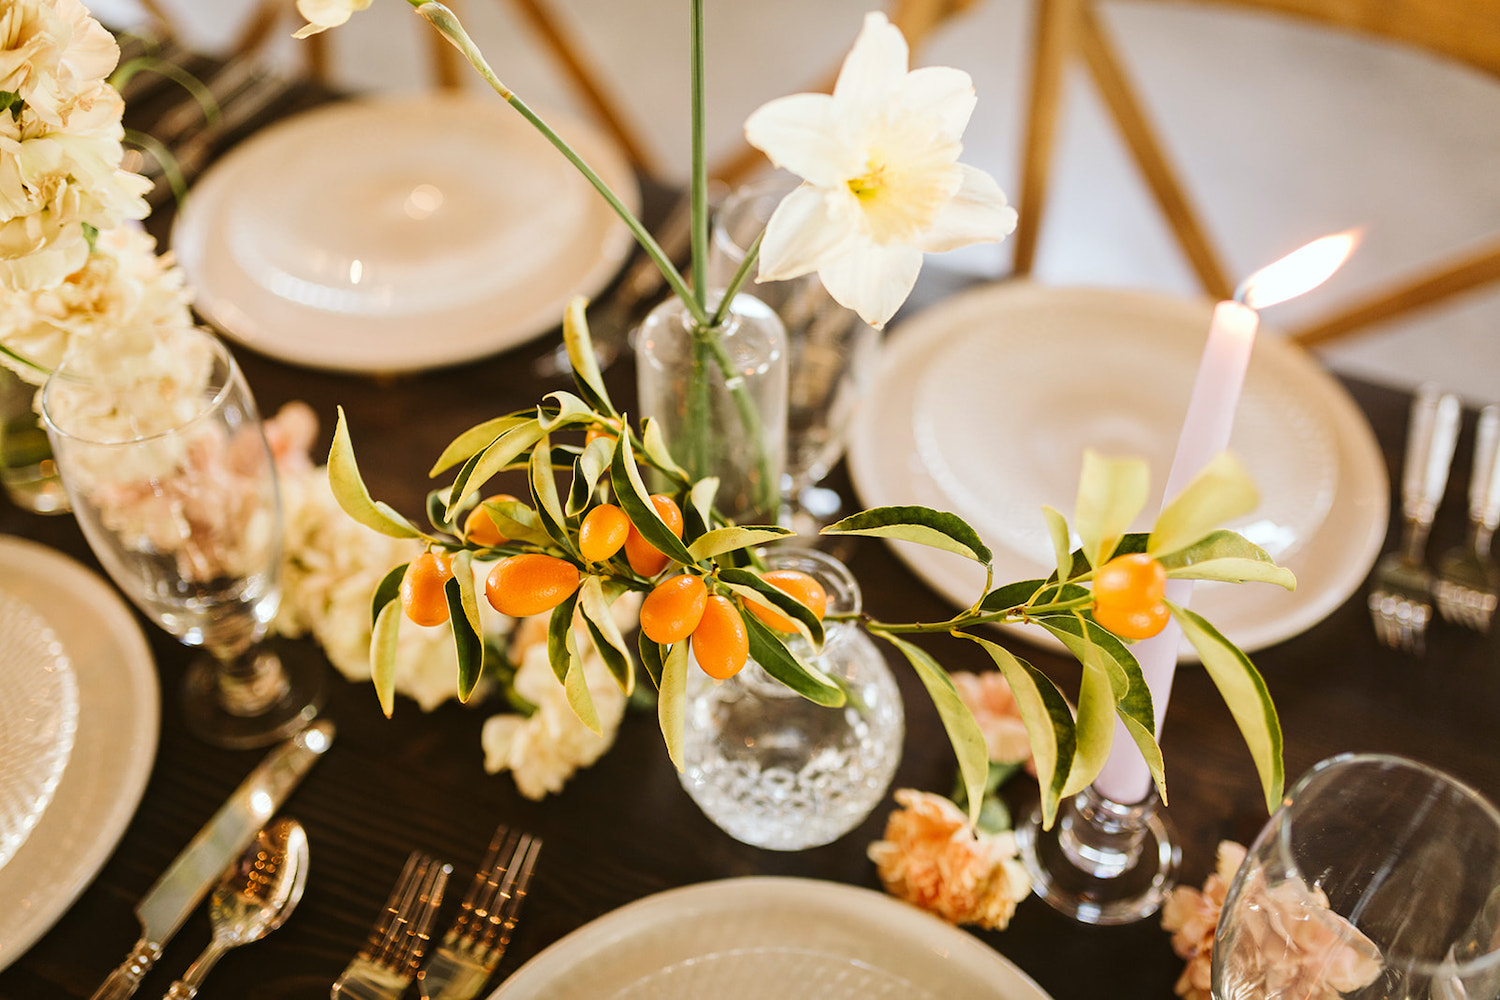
pixel 771 768
pixel 719 398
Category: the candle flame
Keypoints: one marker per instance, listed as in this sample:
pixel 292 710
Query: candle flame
pixel 1300 271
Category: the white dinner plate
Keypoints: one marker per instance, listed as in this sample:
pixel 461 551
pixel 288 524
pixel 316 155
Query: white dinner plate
pixel 986 402
pixel 398 233
pixel 118 719
pixel 38 719
pixel 768 939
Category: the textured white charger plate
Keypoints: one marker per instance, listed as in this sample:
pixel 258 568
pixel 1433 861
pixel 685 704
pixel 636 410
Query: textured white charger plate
pixel 986 402
pixel 38 719
pixel 768 939
pixel 118 720
pixel 400 233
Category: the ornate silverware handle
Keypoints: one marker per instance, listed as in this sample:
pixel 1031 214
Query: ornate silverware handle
pixel 1430 438
pixel 123 981
pixel 1484 486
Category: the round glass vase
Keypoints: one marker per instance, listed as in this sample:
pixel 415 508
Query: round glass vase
pixel 718 396
pixel 775 770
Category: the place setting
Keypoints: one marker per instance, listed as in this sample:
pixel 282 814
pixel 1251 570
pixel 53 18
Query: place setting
pixel 1034 638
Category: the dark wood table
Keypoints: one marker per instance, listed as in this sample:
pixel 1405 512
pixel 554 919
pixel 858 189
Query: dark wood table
pixel 624 828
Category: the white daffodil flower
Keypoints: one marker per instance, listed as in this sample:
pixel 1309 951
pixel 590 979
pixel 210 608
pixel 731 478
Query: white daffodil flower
pixel 324 14
pixel 882 181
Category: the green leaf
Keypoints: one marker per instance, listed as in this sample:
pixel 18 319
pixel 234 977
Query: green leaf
pixel 1095 728
pixel 498 455
pixel 383 655
pixel 352 496
pixel 587 471
pixel 1049 722
pixel 1221 492
pixel 963 730
pixel 462 562
pixel 1062 546
pixel 606 634
pixel 923 525
pixel 570 410
pixel 1012 595
pixel 437 512
pixel 1111 492
pixel 1245 692
pixel 722 540
pixel 517 522
pixel 474 440
pixel 651 658
pixel 698 515
pixel 671 702
pixel 580 347
pixel 768 649
pixel 751 588
pixel 577 689
pixel 656 450
pixel 466 641
pixel 560 636
pixel 544 492
pixel 636 503
pixel 1228 557
pixel 388 590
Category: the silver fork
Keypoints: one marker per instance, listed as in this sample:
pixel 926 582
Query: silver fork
pixel 481 931
pixel 1468 581
pixel 385 965
pixel 1400 596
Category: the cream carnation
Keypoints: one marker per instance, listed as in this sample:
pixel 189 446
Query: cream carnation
pixel 53 56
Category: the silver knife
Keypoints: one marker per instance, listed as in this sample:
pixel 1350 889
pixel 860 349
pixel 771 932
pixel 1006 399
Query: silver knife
pixel 187 880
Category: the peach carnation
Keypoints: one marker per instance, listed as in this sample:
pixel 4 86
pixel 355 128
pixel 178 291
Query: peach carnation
pixel 989 698
pixel 930 857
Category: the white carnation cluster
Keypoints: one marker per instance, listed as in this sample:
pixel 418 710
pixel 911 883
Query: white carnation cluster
pixel 60 142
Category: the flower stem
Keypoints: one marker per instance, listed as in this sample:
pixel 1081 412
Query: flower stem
pixel 738 280
pixel 447 23
pixel 699 217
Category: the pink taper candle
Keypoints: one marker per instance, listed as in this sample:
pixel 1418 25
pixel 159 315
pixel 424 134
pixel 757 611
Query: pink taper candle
pixel 1205 433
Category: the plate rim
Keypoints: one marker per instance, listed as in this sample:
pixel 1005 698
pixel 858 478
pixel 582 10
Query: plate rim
pixel 919 338
pixel 133 694
pixel 616 925
pixel 197 226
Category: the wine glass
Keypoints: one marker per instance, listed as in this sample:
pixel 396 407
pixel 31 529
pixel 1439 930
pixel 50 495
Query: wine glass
pixel 1377 877
pixel 172 482
pixel 831 355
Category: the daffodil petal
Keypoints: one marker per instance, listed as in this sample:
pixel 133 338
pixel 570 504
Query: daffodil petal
pixel 873 280
pixel 800 133
pixel 942 94
pixel 875 68
pixel 978 213
pixel 808 228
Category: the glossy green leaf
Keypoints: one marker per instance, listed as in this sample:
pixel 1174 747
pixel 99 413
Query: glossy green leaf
pixel 1228 557
pixel 497 456
pixel 580 349
pixel 577 689
pixel 651 658
pixel 549 509
pixel 722 540
pixel 698 515
pixel 605 633
pixel 1012 595
pixel 517 521
pixel 768 650
pixel 934 528
pixel 474 440
pixel 437 512
pixel 1244 692
pixel 749 586
pixel 1221 492
pixel 656 449
pixel 352 496
pixel 963 731
pixel 383 639
pixel 563 409
pixel 463 572
pixel 560 636
pixel 466 641
pixel 588 469
pixel 1111 492
pixel 1062 546
pixel 671 702
pixel 1048 719
pixel 631 494
pixel 388 590
pixel 1095 726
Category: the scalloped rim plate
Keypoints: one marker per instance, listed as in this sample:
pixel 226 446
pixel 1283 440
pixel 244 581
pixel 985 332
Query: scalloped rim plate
pixel 114 748
pixel 889 464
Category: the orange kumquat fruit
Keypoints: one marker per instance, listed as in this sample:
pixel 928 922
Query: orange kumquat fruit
pixel 673 610
pixel 804 588
pixel 720 644
pixel 645 558
pixel 1128 596
pixel 480 528
pixel 530 583
pixel 422 596
pixel 603 532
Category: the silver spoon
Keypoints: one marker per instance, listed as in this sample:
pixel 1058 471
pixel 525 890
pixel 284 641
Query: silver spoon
pixel 253 898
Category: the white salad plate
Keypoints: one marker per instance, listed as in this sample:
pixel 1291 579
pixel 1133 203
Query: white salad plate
pixel 986 402
pixel 38 719
pixel 323 241
pixel 768 939
pixel 113 750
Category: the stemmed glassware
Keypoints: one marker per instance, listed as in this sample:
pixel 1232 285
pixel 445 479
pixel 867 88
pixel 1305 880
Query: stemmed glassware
pixel 832 355
pixel 172 481
pixel 1377 877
